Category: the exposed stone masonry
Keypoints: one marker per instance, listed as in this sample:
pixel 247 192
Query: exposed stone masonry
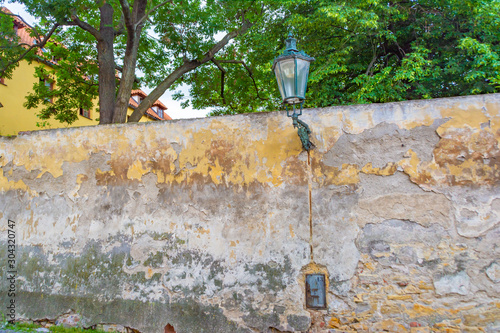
pixel 203 225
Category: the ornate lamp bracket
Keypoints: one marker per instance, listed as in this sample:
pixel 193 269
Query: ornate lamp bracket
pixel 303 129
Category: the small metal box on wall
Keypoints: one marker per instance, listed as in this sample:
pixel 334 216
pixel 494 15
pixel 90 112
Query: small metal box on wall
pixel 315 291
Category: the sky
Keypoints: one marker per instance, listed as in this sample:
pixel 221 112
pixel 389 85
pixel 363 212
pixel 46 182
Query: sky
pixel 174 107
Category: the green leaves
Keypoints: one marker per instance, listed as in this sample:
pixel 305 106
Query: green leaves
pixel 9 48
pixel 388 51
pixel 485 63
pixel 66 85
pixel 367 51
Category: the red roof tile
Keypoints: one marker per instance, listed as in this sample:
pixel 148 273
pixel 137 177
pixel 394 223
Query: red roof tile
pixel 150 112
pixel 160 104
pixel 23 30
pixel 138 92
pixel 17 19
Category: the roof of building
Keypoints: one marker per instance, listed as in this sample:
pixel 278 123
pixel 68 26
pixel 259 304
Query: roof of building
pixel 138 92
pixel 159 104
pixel 149 112
pixel 24 35
pixel 17 19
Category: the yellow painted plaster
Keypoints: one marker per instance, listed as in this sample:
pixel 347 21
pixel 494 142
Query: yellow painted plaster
pixel 473 116
pixel 136 170
pixel 226 153
pixel 6 184
pixel 427 120
pixel 15 118
pixel 388 170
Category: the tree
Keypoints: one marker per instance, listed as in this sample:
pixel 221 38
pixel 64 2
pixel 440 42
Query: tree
pixel 88 41
pixel 366 51
pixel 373 51
pixel 383 51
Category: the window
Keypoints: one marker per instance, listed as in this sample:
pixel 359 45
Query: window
pixel 50 85
pixel 16 26
pixel 85 113
pixel 158 111
pixel 137 98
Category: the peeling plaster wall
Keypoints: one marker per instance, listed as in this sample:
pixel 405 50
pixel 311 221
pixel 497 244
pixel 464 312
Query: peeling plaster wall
pixel 204 224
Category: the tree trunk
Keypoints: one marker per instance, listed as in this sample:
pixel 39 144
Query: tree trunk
pixel 161 88
pixel 107 79
pixel 129 61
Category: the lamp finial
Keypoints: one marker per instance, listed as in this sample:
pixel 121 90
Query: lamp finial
pixel 291 43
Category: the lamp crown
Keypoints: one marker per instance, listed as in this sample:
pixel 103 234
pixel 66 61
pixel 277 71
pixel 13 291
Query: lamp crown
pixel 291 43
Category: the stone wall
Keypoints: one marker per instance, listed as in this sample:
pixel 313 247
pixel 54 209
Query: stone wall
pixel 203 225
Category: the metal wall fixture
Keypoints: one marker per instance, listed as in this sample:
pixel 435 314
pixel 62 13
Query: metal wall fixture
pixel 292 72
pixel 315 291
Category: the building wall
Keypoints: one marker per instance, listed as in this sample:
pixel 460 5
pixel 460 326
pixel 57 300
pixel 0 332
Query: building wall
pixel 15 118
pixel 204 224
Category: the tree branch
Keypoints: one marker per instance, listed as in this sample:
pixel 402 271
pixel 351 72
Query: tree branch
pixel 126 16
pixel 373 60
pixel 38 38
pixel 183 69
pixel 85 26
pixel 371 64
pixel 229 61
pixel 20 44
pixel 120 29
pixel 233 34
pixel 39 45
pixel 120 69
pixel 130 57
pixel 141 20
pixel 249 74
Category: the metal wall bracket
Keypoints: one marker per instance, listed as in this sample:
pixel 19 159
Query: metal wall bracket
pixel 303 129
pixel 315 291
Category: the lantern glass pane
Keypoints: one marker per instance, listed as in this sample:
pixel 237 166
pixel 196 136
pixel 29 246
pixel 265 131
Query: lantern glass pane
pixel 287 67
pixel 277 71
pixel 302 73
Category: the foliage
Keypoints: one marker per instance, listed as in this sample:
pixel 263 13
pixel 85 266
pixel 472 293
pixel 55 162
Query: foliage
pixel 381 51
pixel 367 51
pixel 69 88
pixel 249 84
pixel 6 51
pixel 30 327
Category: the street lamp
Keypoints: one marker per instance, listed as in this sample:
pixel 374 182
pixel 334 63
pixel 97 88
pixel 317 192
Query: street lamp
pixel 292 71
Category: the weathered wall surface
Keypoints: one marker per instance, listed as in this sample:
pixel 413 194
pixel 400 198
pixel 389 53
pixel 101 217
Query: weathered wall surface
pixel 204 224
